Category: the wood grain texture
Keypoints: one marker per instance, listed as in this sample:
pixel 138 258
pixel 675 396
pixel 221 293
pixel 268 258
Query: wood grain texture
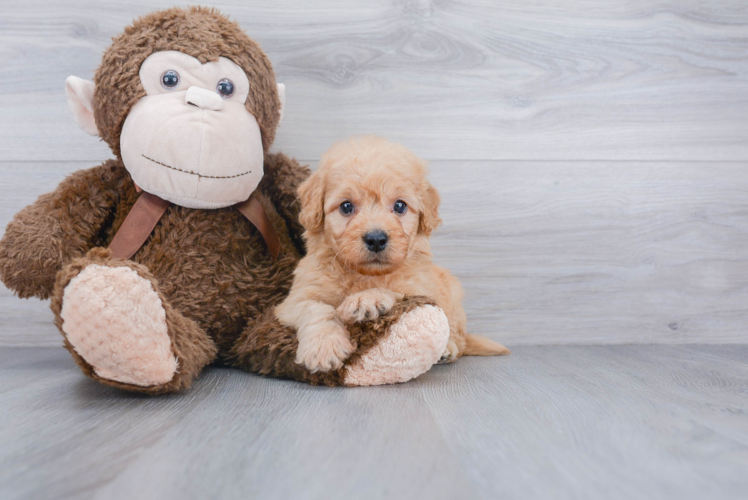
pixel 551 249
pixel 598 252
pixel 548 252
pixel 621 422
pixel 479 79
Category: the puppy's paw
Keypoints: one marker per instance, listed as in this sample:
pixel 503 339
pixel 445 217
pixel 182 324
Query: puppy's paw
pixel 367 305
pixel 323 346
pixel 451 353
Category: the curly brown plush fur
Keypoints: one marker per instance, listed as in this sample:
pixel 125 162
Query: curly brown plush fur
pixel 211 265
pixel 210 269
pixel 191 346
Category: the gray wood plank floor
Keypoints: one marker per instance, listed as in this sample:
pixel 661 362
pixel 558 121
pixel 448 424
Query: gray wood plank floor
pixel 557 422
pixel 531 113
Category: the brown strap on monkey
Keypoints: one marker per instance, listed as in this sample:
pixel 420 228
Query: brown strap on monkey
pixel 139 223
pixel 149 208
pixel 253 211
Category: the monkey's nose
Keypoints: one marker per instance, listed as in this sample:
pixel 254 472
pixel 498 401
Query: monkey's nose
pixel 376 241
pixel 203 98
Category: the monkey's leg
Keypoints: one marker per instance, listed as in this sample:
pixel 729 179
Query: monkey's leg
pixel 122 331
pixel 396 347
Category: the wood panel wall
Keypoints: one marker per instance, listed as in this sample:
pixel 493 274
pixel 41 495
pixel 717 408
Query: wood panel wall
pixel 592 155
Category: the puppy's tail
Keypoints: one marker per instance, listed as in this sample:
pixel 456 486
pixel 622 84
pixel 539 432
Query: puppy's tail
pixel 481 346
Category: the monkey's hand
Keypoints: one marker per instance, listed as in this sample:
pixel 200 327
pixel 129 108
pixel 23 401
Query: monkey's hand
pixel 58 227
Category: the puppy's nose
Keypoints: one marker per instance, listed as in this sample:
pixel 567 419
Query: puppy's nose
pixel 376 241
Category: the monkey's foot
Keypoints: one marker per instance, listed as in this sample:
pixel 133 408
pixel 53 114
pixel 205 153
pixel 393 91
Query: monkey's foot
pixel 114 319
pixel 413 345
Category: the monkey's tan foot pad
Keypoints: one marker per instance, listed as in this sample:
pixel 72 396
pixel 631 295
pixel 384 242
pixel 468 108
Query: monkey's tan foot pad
pixel 412 346
pixel 115 321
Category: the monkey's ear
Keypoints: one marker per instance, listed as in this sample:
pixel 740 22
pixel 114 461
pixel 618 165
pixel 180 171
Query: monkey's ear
pixel 80 95
pixel 312 198
pixel 282 97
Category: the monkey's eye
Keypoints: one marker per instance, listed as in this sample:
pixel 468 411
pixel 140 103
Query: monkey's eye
pixel 346 208
pixel 400 207
pixel 170 79
pixel 225 88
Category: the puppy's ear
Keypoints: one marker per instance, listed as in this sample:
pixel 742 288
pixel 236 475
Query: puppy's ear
pixel 312 197
pixel 429 219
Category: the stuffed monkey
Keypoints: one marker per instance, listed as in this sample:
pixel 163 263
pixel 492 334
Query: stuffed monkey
pixel 173 255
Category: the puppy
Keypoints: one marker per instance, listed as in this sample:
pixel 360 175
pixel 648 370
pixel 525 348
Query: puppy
pixel 368 212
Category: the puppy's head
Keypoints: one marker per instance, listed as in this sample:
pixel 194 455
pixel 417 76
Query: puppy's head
pixel 369 201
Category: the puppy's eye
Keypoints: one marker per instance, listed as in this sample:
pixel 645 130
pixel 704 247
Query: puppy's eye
pixel 346 208
pixel 400 207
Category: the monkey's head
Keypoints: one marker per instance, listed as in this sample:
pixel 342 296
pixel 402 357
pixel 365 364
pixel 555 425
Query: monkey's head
pixel 188 102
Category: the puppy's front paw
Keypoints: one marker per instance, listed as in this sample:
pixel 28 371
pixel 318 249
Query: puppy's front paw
pixel 451 353
pixel 366 306
pixel 323 346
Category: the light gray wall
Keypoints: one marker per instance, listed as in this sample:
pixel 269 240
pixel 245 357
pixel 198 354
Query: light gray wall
pixel 592 155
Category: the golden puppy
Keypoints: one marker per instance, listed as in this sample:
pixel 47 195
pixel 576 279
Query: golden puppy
pixel 368 212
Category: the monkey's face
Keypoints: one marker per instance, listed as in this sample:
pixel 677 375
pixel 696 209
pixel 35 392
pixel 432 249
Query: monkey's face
pixel 191 139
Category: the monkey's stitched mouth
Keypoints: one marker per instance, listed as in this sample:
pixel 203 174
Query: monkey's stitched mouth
pixel 195 173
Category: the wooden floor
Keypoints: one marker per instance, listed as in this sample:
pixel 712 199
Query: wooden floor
pixel 644 422
pixel 592 159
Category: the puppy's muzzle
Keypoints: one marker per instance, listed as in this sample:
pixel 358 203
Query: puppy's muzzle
pixel 376 241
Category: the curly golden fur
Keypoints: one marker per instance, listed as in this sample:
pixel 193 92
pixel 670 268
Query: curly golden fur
pixel 368 186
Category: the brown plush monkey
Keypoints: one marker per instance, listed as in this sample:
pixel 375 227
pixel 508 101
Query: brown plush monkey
pixel 173 255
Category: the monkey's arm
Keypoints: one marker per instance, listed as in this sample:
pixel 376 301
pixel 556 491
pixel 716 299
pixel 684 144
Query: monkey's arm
pixel 58 227
pixel 282 177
